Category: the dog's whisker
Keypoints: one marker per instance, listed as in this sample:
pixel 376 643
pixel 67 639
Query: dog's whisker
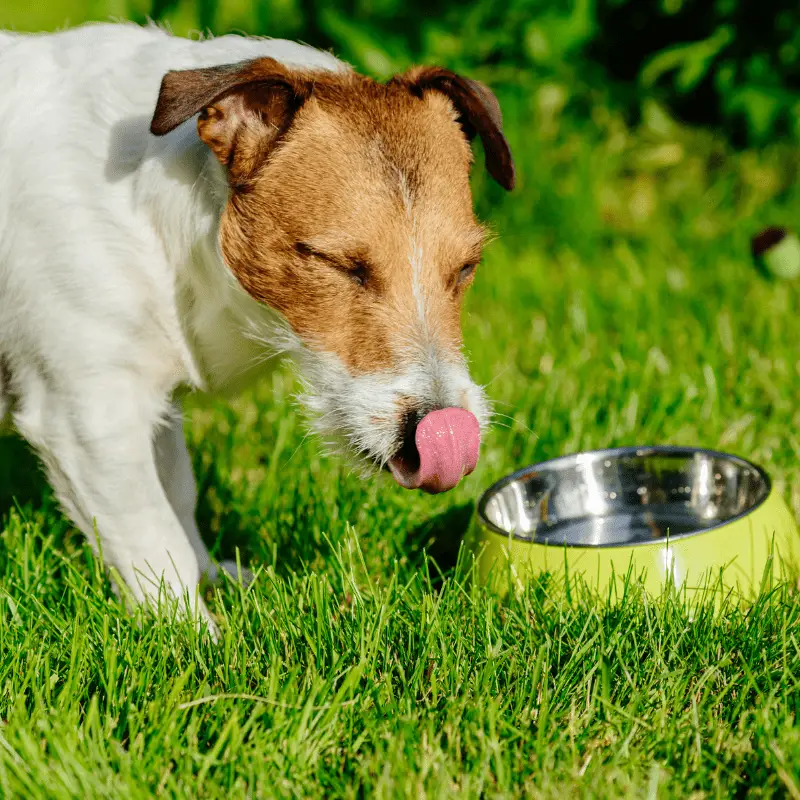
pixel 515 421
pixel 495 424
pixel 499 375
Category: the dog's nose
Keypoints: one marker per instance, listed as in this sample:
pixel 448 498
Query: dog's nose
pixel 408 450
pixel 438 450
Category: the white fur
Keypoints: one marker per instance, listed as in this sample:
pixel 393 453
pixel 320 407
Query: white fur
pixel 415 259
pixel 359 416
pixel 114 295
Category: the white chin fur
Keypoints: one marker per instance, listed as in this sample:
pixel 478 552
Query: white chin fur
pixel 363 414
pixel 359 417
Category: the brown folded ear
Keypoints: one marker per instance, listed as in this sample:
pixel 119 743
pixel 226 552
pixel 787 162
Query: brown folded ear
pixel 244 108
pixel 479 114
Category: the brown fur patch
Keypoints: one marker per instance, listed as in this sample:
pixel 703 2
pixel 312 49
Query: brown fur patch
pixel 479 114
pixel 336 192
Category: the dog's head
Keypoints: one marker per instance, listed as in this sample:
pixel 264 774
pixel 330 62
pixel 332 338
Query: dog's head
pixel 350 213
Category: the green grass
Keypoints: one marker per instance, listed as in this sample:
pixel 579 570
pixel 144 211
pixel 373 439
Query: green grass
pixel 619 306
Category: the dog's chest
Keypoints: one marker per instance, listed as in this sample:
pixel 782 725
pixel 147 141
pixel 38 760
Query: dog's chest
pixel 233 339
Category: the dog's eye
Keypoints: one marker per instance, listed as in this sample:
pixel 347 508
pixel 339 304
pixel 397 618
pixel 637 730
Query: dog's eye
pixel 359 273
pixel 353 267
pixel 465 274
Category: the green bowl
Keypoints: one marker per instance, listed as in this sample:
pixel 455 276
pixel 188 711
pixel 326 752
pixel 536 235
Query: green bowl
pixel 677 516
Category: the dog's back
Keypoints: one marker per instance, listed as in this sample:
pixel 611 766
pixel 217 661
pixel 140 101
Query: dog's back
pixel 7 38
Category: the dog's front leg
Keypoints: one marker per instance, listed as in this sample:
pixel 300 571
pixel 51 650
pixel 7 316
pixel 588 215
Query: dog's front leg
pixel 96 440
pixel 175 470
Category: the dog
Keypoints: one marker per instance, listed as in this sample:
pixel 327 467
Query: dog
pixel 174 211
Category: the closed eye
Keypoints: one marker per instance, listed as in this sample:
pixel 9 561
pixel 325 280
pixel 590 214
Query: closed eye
pixel 353 267
pixel 358 272
pixel 465 273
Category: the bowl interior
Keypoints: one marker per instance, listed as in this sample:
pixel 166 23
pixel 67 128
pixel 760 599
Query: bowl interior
pixel 622 497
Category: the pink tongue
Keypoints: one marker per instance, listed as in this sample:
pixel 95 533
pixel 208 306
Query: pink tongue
pixel 448 442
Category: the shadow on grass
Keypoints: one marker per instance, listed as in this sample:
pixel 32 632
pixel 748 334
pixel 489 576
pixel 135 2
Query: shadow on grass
pixel 22 481
pixel 285 535
pixel 291 541
pixel 221 526
pixel 23 484
pixel 440 537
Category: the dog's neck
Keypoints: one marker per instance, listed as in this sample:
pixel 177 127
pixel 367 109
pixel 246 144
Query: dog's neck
pixel 229 335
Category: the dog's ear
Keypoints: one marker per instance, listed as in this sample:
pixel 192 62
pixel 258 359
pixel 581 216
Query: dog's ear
pixel 244 108
pixel 478 110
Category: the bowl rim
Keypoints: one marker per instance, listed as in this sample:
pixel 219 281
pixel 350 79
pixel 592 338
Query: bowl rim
pixel 617 452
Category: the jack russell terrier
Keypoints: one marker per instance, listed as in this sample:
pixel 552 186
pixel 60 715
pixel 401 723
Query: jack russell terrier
pixel 172 209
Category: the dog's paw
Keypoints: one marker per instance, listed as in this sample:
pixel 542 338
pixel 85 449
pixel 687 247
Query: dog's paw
pixel 214 573
pixel 236 572
pixel 205 621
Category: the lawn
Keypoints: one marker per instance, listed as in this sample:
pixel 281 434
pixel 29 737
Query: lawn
pixel 618 306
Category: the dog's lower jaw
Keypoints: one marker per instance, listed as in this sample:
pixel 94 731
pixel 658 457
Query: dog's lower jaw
pixel 361 417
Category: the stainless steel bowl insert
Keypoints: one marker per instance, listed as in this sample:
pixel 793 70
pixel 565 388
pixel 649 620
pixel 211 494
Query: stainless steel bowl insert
pixel 624 496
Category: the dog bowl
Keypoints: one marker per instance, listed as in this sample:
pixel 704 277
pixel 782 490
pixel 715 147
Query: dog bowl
pixel 665 515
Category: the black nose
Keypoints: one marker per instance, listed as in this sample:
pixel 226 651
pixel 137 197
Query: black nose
pixel 408 430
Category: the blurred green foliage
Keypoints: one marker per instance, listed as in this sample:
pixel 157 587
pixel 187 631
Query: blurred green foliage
pixel 728 63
